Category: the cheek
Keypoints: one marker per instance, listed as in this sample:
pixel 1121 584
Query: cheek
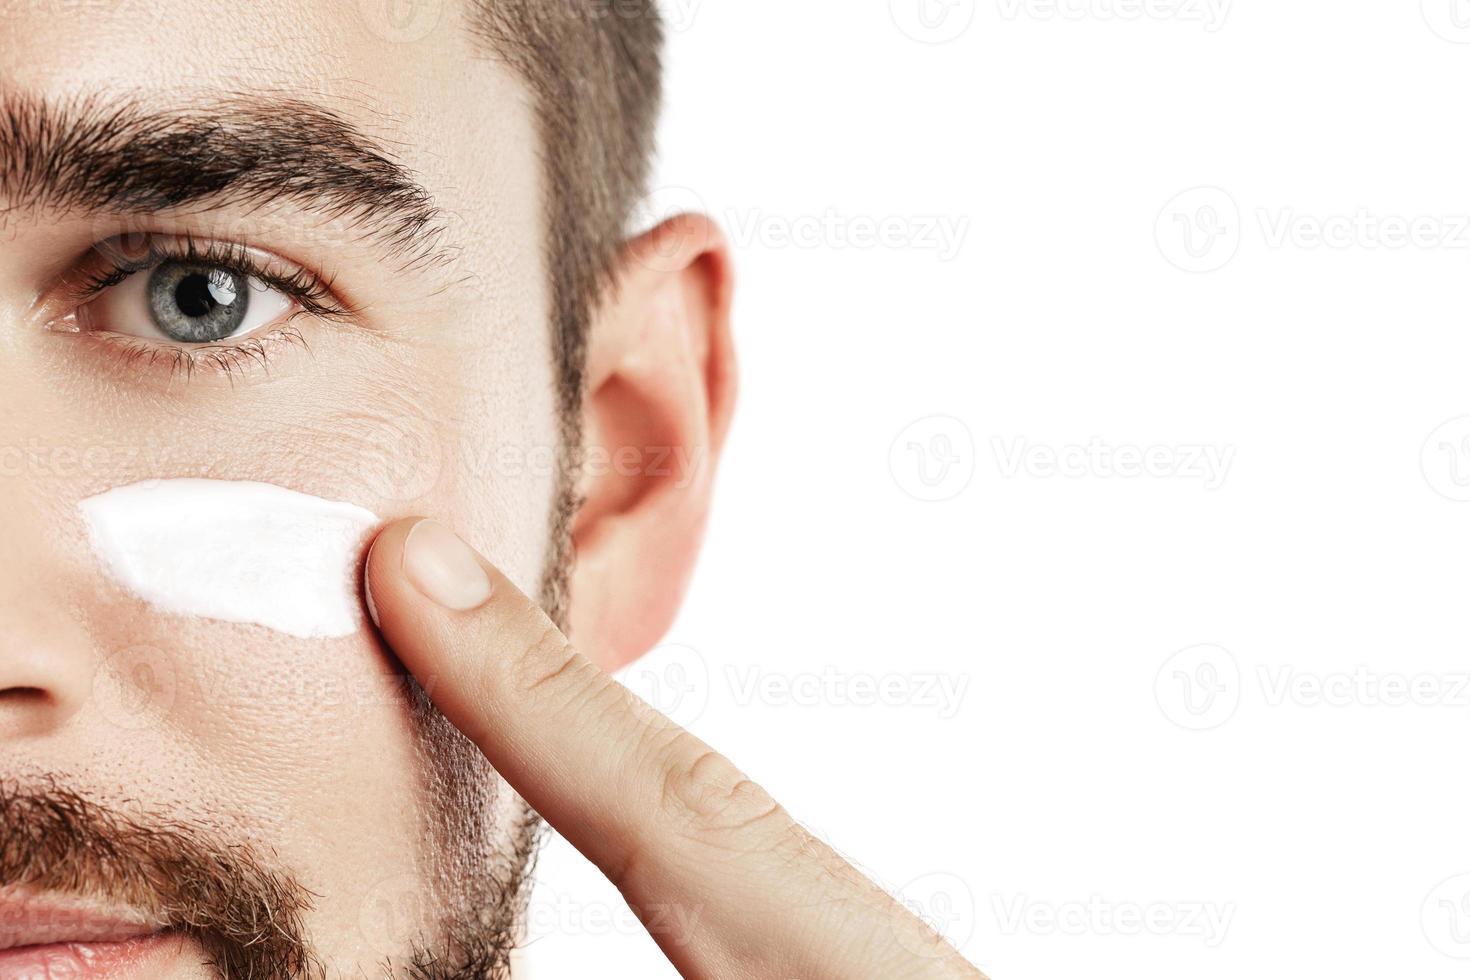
pixel 307 748
pixel 304 744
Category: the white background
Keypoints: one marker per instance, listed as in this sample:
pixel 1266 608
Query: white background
pixel 1288 796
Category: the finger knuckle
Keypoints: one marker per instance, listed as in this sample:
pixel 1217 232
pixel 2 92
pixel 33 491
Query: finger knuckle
pixel 547 663
pixel 706 794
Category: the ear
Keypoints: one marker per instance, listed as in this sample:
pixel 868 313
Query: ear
pixel 661 387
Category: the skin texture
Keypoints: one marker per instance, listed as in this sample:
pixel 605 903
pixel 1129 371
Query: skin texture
pixel 306 747
pixel 314 773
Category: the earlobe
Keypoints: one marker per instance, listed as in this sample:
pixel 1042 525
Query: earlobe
pixel 661 388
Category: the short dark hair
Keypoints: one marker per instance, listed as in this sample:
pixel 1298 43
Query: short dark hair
pixel 594 68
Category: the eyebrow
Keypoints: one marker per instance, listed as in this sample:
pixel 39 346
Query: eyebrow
pixel 100 155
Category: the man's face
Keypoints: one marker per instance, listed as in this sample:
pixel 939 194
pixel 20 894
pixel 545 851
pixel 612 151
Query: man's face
pixel 305 759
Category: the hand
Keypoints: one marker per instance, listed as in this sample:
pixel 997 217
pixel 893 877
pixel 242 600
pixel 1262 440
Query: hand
pixel 670 822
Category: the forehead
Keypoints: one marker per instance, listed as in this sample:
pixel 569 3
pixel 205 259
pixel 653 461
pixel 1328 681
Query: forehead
pixel 408 74
pixel 299 40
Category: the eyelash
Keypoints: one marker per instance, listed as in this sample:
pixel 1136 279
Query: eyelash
pixel 226 359
pixel 310 290
pixel 312 293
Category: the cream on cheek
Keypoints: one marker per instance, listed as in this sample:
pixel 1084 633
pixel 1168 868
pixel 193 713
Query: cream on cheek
pixel 237 551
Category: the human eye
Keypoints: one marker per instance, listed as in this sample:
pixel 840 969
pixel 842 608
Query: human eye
pixel 216 300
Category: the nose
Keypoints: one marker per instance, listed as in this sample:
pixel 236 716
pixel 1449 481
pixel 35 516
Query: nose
pixel 46 656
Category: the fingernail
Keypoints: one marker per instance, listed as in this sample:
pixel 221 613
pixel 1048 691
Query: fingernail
pixel 444 568
pixel 367 585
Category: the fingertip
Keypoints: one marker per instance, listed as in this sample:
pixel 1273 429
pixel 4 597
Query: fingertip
pixel 444 568
pixel 384 556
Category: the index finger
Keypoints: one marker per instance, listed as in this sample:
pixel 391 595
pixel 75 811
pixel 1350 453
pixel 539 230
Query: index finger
pixel 671 822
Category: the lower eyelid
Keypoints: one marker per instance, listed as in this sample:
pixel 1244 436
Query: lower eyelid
pixel 230 360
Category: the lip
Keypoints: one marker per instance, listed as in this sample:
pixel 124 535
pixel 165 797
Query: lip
pixel 43 935
pixel 80 961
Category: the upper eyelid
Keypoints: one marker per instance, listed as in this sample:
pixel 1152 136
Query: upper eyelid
pixel 315 292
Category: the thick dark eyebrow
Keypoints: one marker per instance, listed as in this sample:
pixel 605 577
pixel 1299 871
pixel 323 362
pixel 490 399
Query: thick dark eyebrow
pixel 108 155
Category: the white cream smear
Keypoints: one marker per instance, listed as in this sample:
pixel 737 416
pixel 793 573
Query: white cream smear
pixel 237 551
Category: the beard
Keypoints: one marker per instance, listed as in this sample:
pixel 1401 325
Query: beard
pixel 246 916
pixel 229 896
pixel 247 913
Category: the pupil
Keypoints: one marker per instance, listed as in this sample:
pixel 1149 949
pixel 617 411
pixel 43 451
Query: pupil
pixel 196 304
pixel 197 295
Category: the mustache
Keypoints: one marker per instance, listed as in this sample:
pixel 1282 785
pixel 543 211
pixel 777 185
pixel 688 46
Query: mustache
pixel 246 915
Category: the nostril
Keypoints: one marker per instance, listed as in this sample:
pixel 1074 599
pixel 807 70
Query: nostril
pixel 20 696
pixel 27 710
